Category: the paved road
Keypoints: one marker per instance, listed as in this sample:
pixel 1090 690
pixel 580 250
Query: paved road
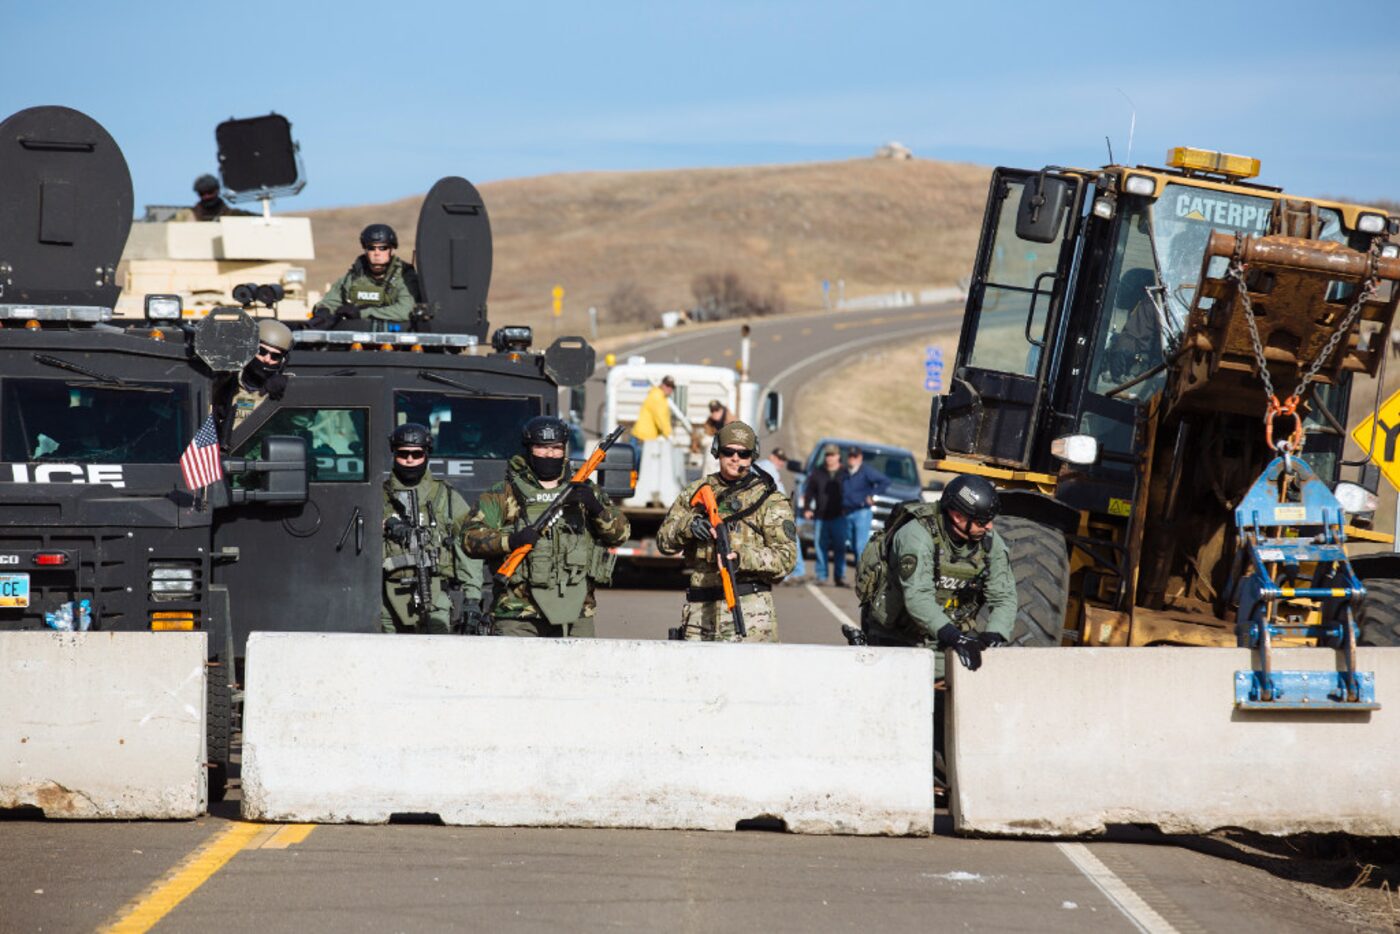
pixel 221 874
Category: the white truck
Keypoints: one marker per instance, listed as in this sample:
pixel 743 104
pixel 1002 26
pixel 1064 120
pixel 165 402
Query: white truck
pixel 661 477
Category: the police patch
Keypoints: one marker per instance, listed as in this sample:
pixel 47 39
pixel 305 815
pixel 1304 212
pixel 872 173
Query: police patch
pixel 789 529
pixel 907 566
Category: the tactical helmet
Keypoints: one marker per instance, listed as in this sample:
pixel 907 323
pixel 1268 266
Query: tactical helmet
pixel 735 434
pixel 411 435
pixel 378 233
pixel 973 496
pixel 274 333
pixel 206 184
pixel 544 429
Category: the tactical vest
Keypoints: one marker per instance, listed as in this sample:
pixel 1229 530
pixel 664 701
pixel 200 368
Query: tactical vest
pixel 436 512
pixel 961 579
pixel 566 558
pixel 364 290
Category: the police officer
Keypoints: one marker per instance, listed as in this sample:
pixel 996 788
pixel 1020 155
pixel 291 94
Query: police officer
pixel 210 206
pixel 946 570
pixel 551 593
pixel 762 533
pixel 262 378
pixel 379 285
pixel 423 523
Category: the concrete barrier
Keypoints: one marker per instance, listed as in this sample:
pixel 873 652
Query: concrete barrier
pixel 103 724
pixel 1064 741
pixel 537 732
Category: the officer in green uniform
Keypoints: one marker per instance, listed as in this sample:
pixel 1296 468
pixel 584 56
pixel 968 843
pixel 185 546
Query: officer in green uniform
pixel 551 593
pixel 379 286
pixel 423 523
pixel 762 533
pixel 261 379
pixel 209 207
pixel 947 568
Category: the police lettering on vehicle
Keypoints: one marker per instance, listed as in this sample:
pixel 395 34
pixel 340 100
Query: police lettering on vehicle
pixel 1225 212
pixel 68 473
pixel 9 559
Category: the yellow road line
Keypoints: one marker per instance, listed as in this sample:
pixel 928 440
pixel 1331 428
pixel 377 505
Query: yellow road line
pixel 148 908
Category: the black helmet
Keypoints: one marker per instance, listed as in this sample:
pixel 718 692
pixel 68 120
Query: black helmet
pixel 544 429
pixel 206 184
pixel 378 233
pixel 411 435
pixel 973 496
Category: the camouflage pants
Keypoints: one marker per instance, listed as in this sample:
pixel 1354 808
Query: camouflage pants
pixel 578 629
pixel 712 622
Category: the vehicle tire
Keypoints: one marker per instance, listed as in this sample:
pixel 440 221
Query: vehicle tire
pixel 1379 619
pixel 1040 560
pixel 219 731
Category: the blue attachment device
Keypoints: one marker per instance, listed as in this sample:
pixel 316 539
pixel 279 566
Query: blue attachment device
pixel 1290 518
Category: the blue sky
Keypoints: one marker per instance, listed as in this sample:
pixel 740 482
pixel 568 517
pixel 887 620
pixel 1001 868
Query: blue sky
pixel 387 97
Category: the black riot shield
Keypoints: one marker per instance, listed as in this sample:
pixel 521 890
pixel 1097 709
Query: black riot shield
pixel 65 201
pixel 453 257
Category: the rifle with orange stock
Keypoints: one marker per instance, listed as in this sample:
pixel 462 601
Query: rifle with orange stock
pixel 548 517
pixel 705 498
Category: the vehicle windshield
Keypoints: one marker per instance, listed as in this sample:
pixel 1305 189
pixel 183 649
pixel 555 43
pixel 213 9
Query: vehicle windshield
pixel 60 420
pixel 468 427
pixel 898 467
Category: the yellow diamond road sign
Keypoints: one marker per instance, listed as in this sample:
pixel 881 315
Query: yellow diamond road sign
pixel 1386 453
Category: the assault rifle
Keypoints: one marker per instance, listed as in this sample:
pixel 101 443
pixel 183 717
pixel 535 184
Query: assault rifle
pixel 421 556
pixel 705 498
pixel 548 517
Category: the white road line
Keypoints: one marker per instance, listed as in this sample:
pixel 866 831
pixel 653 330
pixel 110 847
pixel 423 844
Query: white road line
pixel 1141 914
pixel 836 611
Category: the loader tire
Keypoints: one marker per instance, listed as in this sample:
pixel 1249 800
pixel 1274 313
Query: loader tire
pixel 1040 560
pixel 218 731
pixel 1379 619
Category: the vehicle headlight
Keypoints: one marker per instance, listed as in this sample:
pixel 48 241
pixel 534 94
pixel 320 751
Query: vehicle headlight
pixel 1390 250
pixel 1103 207
pixel 1355 499
pixel 163 307
pixel 1140 185
pixel 1076 449
pixel 1371 223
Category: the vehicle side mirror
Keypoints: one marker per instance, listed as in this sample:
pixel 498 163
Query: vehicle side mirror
pixel 617 475
pixel 1044 201
pixel 283 464
pixel 772 412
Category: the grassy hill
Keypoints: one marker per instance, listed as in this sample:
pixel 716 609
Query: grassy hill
pixel 878 224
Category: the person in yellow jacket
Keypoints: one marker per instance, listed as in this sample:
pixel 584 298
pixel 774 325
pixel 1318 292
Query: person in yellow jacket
pixel 654 420
pixel 657 480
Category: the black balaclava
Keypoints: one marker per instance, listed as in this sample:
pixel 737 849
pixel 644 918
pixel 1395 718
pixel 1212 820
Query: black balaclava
pixel 546 468
pixel 410 475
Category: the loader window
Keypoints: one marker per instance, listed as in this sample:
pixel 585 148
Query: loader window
pixel 1182 221
pixel 1019 272
pixel 1130 340
pixel 82 422
pixel 469 427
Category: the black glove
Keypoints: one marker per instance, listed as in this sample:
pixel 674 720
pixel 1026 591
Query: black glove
pixel 526 536
pixel 969 649
pixel 276 385
pixel 701 530
pixel 991 640
pixel 348 312
pixel 398 531
pixel 321 320
pixel 588 499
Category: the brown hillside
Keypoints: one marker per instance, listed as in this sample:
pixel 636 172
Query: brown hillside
pixel 877 223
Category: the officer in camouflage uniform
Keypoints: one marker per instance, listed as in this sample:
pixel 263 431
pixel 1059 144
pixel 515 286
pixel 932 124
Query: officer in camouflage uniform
pixel 946 569
pixel 551 593
pixel 762 533
pixel 236 397
pixel 444 513
pixel 379 285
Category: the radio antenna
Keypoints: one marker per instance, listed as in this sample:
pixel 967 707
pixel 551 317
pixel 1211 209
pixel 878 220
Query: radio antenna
pixel 1108 142
pixel 1132 125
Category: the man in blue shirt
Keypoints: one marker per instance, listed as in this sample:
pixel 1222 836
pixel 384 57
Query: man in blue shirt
pixel 858 491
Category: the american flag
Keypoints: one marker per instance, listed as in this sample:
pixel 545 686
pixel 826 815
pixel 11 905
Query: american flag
pixel 200 463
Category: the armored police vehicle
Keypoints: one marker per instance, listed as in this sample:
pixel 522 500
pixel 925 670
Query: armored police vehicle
pixel 95 418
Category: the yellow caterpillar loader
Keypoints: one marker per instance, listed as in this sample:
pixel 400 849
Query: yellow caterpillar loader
pixel 1155 367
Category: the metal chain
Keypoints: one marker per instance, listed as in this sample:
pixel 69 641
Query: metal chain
pixel 1368 288
pixel 1236 272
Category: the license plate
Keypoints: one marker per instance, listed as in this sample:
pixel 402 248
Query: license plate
pixel 14 590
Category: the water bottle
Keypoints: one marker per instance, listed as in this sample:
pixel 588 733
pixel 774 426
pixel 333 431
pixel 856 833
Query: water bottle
pixel 84 617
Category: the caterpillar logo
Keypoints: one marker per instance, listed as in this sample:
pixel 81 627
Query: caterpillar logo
pixel 110 474
pixel 1224 212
